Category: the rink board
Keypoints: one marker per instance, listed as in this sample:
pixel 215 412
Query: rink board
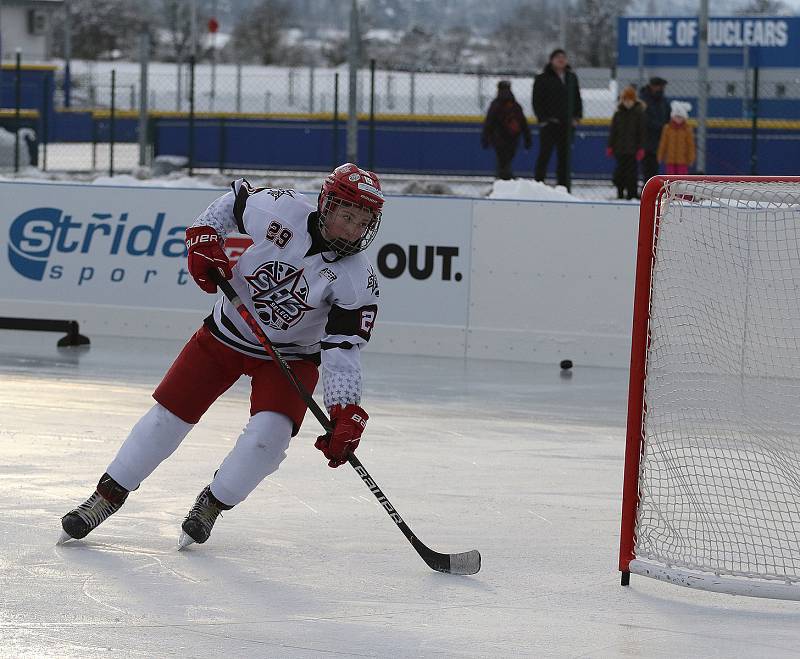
pixel 516 280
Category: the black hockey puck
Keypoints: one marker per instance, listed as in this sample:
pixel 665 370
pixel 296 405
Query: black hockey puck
pixel 565 364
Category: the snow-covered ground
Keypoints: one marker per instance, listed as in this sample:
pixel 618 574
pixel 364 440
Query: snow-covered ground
pixel 514 460
pixel 302 89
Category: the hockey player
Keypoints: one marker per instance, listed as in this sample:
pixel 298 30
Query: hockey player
pixel 305 277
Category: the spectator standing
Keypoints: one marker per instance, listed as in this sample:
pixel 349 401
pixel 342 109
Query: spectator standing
pixel 558 108
pixel 657 115
pixel 676 147
pixel 626 143
pixel 505 122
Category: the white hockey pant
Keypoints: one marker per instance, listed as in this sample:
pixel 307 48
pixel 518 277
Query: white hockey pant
pixel 258 452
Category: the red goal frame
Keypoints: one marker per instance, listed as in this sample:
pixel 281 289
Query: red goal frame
pixel 640 338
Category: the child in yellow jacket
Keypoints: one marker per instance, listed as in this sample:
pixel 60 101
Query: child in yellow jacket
pixel 676 146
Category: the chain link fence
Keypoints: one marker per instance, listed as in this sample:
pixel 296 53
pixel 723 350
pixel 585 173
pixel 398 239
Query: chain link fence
pixel 91 120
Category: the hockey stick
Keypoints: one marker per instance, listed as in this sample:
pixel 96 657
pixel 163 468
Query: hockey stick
pixel 468 562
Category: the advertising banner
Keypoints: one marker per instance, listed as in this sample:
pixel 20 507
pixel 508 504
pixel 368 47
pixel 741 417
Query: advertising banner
pixel 124 247
pixel 733 41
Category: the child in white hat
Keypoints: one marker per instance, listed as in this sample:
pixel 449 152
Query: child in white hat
pixel 676 147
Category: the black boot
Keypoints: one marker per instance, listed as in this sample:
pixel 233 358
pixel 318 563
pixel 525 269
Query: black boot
pixel 200 520
pixel 106 500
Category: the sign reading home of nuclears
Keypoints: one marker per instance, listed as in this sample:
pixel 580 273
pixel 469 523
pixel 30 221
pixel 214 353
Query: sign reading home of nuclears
pixel 732 41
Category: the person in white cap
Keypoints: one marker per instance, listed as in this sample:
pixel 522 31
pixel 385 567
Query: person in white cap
pixel 676 148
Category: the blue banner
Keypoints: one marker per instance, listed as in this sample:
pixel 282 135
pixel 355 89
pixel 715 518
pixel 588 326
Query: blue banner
pixel 732 41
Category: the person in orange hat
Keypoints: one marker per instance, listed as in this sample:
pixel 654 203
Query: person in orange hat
pixel 626 143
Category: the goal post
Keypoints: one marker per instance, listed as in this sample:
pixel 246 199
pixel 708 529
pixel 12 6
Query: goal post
pixel 711 494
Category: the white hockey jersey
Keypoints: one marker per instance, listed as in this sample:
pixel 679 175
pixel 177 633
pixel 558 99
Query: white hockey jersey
pixel 311 304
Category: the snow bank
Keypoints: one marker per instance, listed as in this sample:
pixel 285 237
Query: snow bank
pixel 522 188
pixel 168 182
pixel 26 137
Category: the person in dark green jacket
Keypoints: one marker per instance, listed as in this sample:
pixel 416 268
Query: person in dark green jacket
pixel 558 108
pixel 626 141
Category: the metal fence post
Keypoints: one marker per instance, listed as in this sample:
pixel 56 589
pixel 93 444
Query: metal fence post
pixel 144 54
pixel 480 90
pixel 746 97
pixel 352 88
pixel 191 115
pixel 94 142
pixel 571 90
pixel 371 149
pixel 640 63
pixel 311 89
pixel 44 119
pixel 112 118
pixel 179 88
pixel 238 87
pixel 702 87
pixel 17 104
pixel 412 90
pixel 67 54
pixel 754 125
pixel 222 145
pixel 335 128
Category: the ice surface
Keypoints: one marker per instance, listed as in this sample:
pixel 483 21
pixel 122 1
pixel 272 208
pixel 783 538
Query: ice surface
pixel 513 460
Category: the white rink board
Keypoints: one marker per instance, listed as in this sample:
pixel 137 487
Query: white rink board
pixel 425 312
pixel 552 280
pixel 514 280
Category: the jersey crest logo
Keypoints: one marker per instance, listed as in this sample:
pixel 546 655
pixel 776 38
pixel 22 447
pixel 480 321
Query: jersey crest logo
pixel 372 283
pixel 280 293
pixel 277 193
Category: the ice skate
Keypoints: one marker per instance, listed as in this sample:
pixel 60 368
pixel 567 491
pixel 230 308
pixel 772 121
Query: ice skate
pixel 104 502
pixel 200 520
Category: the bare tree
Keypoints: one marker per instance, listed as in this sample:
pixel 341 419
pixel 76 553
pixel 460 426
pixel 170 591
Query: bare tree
pixel 766 7
pixel 592 32
pixel 102 28
pixel 177 23
pixel 259 34
pixel 521 41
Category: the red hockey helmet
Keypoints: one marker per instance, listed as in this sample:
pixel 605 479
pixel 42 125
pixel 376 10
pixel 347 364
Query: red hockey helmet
pixel 349 185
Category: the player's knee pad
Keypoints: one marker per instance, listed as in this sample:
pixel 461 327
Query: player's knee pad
pixel 266 436
pixel 151 441
pixel 258 452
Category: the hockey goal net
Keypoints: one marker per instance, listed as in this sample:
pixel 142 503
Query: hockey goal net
pixel 712 467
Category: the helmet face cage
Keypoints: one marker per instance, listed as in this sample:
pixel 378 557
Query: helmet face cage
pixel 341 246
pixel 350 186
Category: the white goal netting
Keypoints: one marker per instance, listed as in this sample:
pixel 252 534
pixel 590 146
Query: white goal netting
pixel 719 479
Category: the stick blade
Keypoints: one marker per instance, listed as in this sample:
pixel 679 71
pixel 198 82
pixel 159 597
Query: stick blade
pixel 468 562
